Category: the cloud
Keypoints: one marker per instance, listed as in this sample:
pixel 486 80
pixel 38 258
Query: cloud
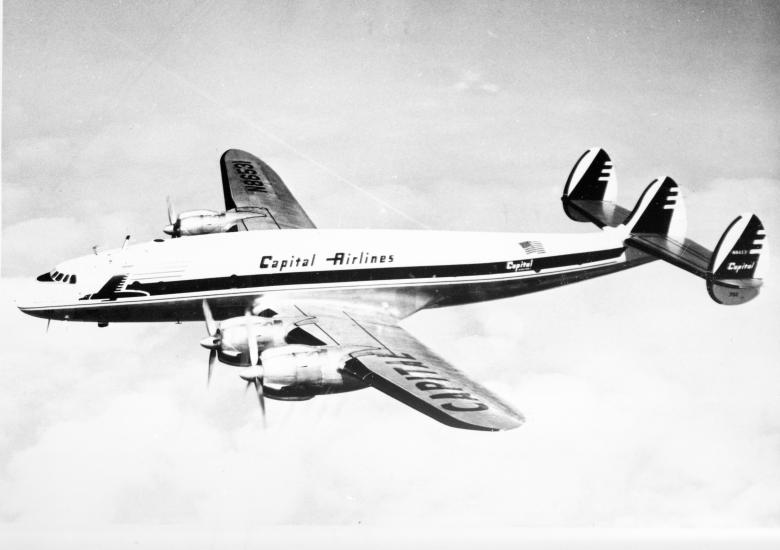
pixel 639 414
pixel 647 404
pixel 473 81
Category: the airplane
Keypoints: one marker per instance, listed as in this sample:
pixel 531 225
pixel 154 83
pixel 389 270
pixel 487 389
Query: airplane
pixel 305 312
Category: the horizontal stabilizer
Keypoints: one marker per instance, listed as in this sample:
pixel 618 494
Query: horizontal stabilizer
pixel 603 214
pixel 688 255
pixel 731 271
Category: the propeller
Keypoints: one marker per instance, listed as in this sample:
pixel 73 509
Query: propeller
pixel 213 341
pixel 174 227
pixel 211 324
pixel 254 374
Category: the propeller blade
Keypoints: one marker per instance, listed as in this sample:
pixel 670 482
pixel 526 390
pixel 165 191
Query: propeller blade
pixel 254 375
pixel 171 211
pixel 251 340
pixel 260 397
pixel 48 322
pixel 212 360
pixel 211 325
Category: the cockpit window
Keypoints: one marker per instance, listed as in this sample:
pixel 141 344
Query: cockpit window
pixel 55 275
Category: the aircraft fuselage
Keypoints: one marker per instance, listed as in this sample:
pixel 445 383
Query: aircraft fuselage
pixel 403 270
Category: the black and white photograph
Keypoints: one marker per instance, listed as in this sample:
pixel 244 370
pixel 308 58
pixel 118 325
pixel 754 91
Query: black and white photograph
pixel 423 274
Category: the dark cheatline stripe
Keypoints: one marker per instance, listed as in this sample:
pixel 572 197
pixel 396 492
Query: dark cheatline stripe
pixel 365 274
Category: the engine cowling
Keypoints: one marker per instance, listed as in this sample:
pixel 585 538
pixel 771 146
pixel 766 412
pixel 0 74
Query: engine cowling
pixel 203 222
pixel 231 338
pixel 197 222
pixel 301 372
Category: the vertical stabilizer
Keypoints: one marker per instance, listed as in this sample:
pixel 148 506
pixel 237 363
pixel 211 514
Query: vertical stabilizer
pixel 735 270
pixel 660 211
pixel 591 191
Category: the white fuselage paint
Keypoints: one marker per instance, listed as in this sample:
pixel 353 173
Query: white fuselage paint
pixel 404 270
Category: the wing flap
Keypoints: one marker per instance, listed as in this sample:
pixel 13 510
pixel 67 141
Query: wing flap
pixel 250 185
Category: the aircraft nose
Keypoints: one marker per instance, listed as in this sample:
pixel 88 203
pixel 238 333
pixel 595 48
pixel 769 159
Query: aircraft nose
pixel 33 304
pixel 42 313
pixel 45 299
pixel 168 229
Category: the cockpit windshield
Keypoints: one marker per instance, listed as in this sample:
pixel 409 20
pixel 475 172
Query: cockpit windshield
pixel 56 276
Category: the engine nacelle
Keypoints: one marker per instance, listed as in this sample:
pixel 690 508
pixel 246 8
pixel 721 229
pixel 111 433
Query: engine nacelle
pixel 202 222
pixel 199 222
pixel 233 336
pixel 301 372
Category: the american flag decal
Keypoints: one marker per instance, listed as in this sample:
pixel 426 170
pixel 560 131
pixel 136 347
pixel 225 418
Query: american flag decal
pixel 532 247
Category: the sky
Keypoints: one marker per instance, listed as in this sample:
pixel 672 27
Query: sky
pixel 647 405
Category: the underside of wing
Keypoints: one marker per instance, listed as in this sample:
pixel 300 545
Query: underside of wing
pixel 252 187
pixel 396 363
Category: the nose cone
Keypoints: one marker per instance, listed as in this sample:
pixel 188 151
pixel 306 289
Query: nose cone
pixel 34 311
pixel 252 373
pixel 168 229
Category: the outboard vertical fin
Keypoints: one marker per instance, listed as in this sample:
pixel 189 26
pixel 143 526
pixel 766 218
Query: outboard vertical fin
pixel 735 275
pixel 591 190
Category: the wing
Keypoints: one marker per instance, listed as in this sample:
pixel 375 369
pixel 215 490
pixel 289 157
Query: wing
pixel 251 186
pixel 403 368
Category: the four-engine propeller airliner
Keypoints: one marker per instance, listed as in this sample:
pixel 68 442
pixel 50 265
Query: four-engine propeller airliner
pixel 306 311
